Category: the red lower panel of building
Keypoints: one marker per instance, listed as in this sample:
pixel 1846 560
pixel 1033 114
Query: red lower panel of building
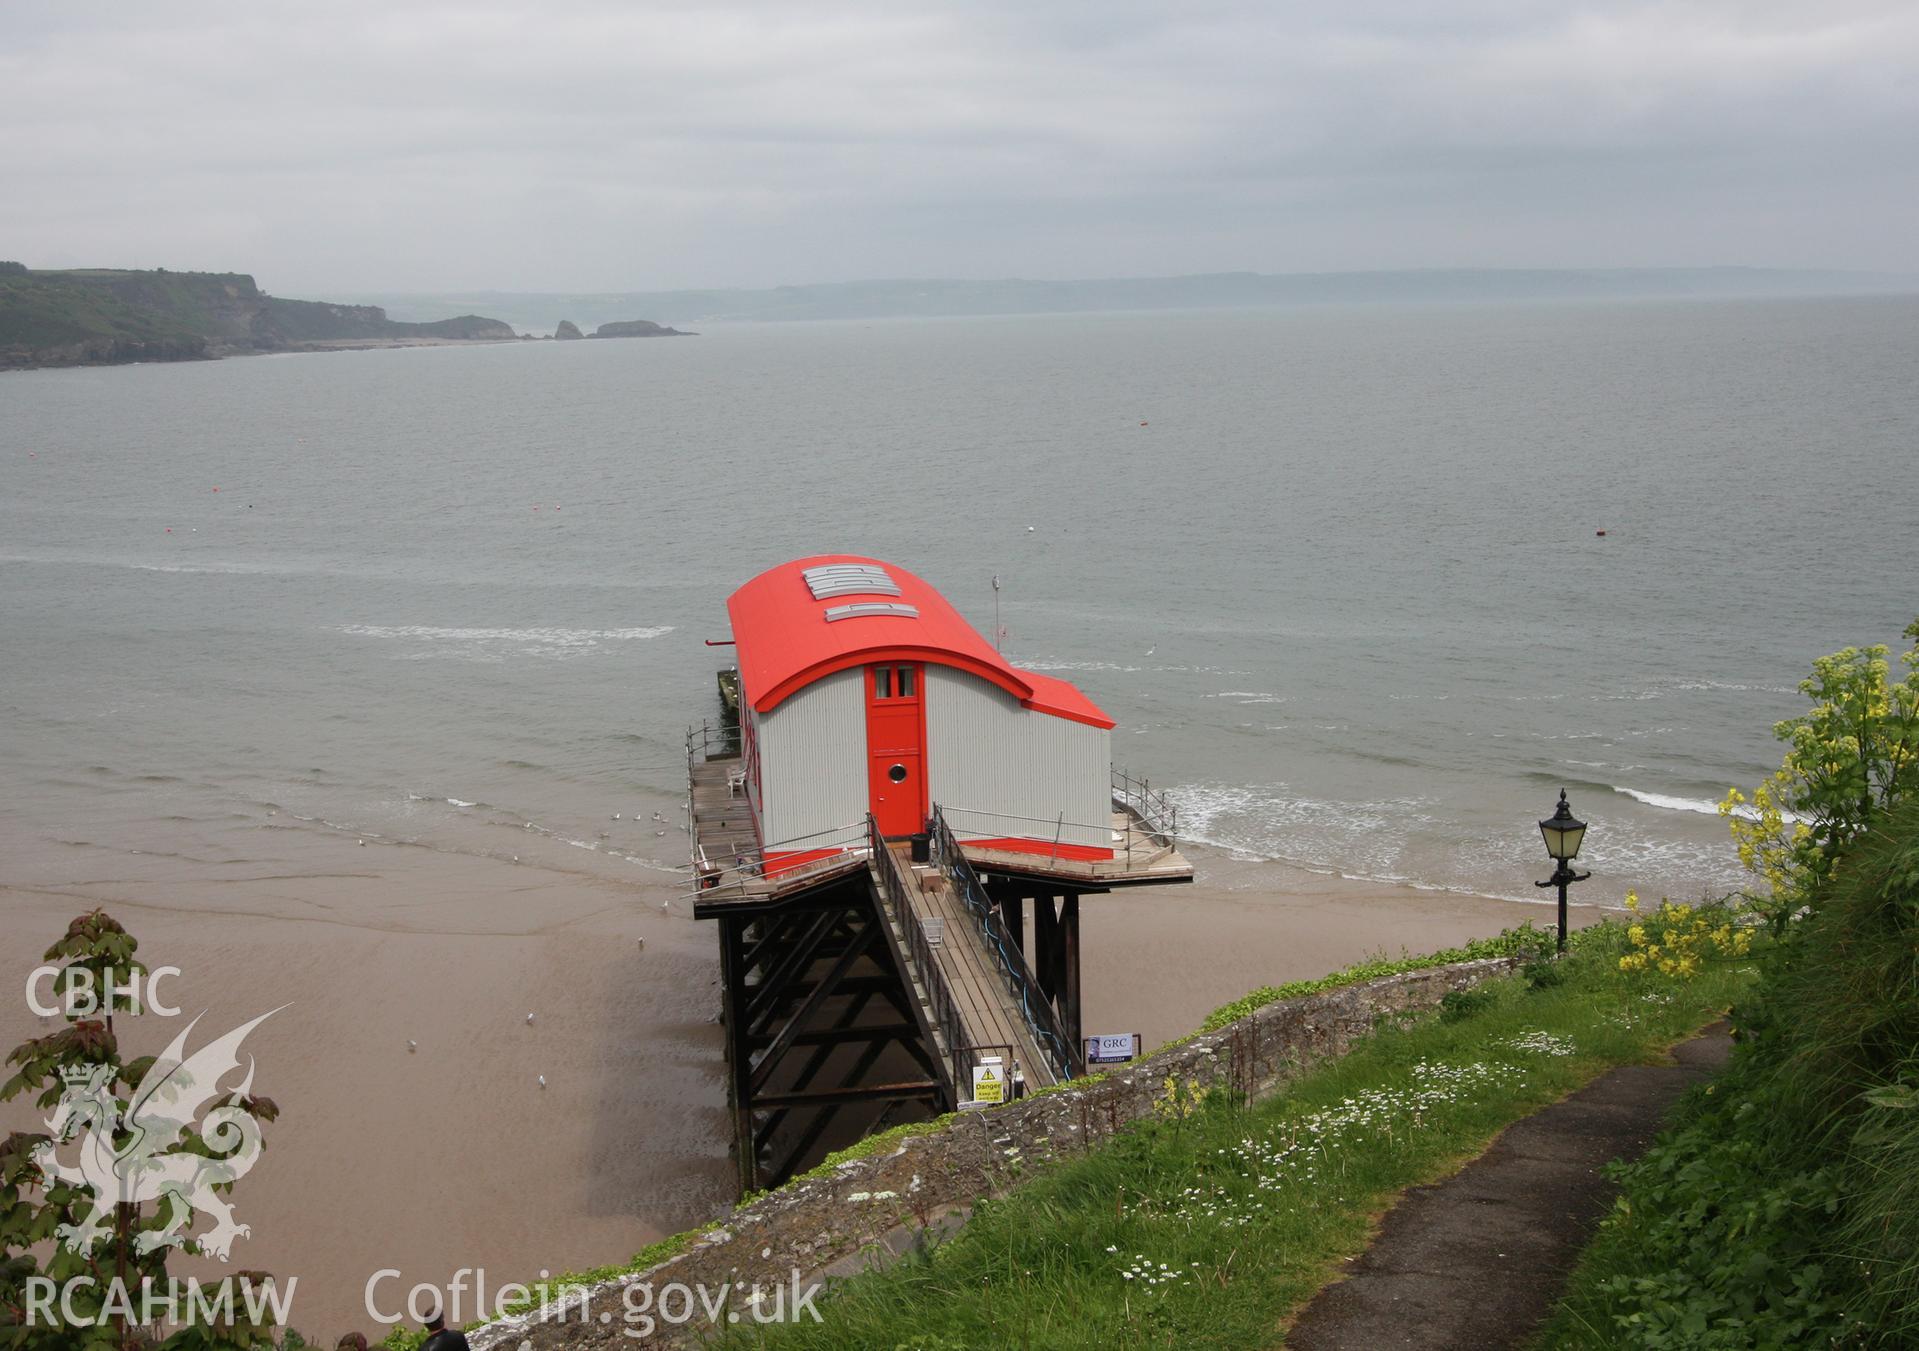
pixel 1083 853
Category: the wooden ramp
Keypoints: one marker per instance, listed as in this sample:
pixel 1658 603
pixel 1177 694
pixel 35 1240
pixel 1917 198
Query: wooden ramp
pixel 958 973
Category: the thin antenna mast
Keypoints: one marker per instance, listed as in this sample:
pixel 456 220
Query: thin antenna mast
pixel 999 634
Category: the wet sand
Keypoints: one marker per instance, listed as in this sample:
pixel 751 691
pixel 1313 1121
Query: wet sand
pixel 452 1155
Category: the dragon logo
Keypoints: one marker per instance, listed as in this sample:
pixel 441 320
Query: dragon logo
pixel 124 1158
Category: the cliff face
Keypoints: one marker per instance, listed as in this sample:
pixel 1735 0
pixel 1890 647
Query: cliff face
pixel 71 318
pixel 282 323
pixel 101 316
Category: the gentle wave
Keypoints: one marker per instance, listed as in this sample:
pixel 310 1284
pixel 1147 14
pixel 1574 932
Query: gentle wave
pixel 1329 839
pixel 436 634
pixel 1253 697
pixel 1701 806
pixel 1393 841
pixel 493 644
pixel 1058 664
pixel 1043 664
pixel 1670 803
pixel 450 801
pixel 1734 686
pixel 1661 688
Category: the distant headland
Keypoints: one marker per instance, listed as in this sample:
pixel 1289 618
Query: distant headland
pixel 622 328
pixel 110 316
pixel 930 298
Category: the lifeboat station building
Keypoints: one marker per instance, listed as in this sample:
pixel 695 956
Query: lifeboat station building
pixel 881 804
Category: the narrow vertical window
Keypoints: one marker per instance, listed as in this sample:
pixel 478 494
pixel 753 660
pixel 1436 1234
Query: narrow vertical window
pixel 906 682
pixel 882 682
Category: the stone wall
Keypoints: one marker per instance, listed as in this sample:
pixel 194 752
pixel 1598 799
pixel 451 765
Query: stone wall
pixel 864 1210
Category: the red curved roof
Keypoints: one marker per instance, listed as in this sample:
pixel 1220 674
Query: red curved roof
pixel 786 643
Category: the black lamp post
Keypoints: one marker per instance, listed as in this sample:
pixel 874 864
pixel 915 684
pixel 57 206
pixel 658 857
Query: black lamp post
pixel 1563 832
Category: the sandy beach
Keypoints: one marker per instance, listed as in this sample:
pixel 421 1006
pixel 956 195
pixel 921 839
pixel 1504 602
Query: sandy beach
pixel 453 1155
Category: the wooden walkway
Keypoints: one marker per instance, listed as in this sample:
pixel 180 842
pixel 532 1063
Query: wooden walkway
pixel 988 1011
pixel 726 851
pixel 722 818
pixel 989 1014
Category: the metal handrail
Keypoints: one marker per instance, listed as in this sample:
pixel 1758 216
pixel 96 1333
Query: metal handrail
pixel 1158 811
pixel 1054 827
pixel 919 951
pixel 1036 1009
pixel 847 843
pixel 703 737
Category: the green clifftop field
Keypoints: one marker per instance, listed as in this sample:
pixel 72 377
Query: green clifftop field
pixel 99 316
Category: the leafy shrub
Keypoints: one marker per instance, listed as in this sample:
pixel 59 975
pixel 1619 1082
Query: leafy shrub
pixel 1853 754
pixel 1678 940
pixel 1459 1005
pixel 1781 1209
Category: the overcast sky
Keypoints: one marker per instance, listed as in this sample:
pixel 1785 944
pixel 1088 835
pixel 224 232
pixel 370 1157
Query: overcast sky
pixel 352 146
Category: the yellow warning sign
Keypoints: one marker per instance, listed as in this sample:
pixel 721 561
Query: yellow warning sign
pixel 989 1084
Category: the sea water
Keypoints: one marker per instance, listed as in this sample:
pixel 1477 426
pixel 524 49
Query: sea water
pixel 1364 587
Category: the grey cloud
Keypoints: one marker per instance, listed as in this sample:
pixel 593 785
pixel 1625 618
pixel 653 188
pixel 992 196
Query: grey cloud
pixel 359 146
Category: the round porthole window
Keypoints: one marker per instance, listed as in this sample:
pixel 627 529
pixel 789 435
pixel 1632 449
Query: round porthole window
pixel 897 773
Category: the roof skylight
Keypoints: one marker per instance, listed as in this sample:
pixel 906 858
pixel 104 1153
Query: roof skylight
pixel 872 609
pixel 849 579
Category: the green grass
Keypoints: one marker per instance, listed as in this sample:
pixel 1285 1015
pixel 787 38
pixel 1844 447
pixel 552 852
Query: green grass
pixel 1524 939
pixel 1517 942
pixel 1520 941
pixel 1782 1209
pixel 1229 1217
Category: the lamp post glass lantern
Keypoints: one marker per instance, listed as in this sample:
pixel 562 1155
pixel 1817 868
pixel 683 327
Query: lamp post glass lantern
pixel 1564 833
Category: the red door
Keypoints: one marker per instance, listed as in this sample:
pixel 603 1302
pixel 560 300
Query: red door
pixel 895 735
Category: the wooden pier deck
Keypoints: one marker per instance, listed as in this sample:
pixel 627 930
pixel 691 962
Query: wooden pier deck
pixel 859 984
pixel 726 851
pixel 1141 857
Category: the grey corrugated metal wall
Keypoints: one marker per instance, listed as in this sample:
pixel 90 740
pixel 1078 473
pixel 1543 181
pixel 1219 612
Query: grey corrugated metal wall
pixel 813 759
pixel 987 754
pixel 750 753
